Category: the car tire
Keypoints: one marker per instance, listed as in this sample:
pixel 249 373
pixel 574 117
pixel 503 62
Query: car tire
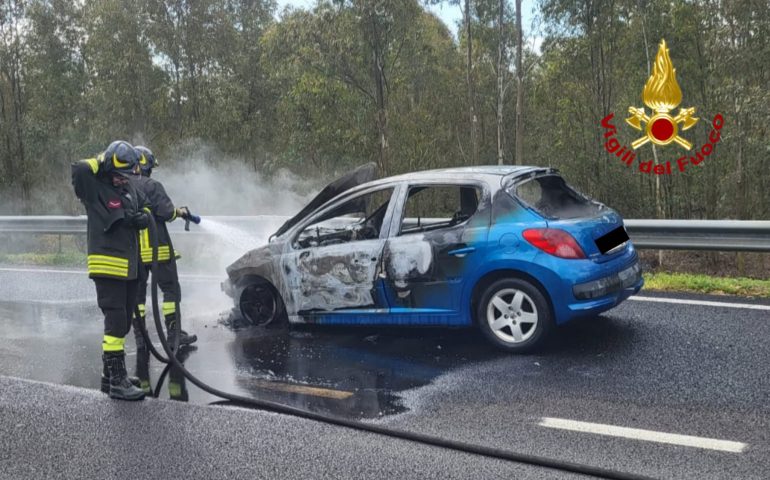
pixel 514 315
pixel 261 306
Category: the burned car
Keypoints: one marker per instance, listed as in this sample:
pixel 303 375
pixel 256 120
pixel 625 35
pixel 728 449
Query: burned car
pixel 512 250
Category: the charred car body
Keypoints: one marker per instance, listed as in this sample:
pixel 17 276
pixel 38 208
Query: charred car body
pixel 514 250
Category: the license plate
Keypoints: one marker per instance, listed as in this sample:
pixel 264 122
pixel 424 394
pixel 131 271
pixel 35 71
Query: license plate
pixel 613 239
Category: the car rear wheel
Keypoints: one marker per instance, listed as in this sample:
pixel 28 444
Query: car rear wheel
pixel 514 315
pixel 261 305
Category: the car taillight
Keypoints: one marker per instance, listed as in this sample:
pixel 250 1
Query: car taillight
pixel 555 242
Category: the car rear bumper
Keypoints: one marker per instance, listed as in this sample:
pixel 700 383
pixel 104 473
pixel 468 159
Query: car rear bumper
pixel 595 297
pixel 595 307
pixel 602 287
pixel 583 288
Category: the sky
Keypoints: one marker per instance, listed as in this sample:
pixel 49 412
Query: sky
pixel 452 14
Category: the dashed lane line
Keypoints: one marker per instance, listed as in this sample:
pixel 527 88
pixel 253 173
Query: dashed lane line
pixel 705 303
pixel 301 389
pixel 644 435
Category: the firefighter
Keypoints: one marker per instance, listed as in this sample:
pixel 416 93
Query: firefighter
pixel 116 212
pixel 163 210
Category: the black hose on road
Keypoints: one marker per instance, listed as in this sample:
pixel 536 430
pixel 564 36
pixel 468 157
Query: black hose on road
pixel 269 406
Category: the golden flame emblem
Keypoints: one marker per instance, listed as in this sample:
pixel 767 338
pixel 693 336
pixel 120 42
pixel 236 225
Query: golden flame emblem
pixel 662 94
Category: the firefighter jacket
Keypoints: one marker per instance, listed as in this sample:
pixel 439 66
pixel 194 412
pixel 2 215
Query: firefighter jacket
pixel 113 246
pixel 163 210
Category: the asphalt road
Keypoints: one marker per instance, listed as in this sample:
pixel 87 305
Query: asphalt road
pixel 667 390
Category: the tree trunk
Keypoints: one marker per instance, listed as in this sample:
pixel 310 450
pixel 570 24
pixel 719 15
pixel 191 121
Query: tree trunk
pixel 519 89
pixel 472 120
pixel 378 71
pixel 500 81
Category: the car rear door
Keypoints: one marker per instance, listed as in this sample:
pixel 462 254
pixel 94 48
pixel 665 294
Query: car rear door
pixel 438 232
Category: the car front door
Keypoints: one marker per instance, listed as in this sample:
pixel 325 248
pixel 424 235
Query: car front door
pixel 437 234
pixel 333 268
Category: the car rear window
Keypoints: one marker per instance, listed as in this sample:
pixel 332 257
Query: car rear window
pixel 550 196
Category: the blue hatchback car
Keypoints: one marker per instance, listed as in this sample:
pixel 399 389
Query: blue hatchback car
pixel 512 250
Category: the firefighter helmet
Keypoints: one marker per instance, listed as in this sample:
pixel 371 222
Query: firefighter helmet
pixel 147 160
pixel 120 156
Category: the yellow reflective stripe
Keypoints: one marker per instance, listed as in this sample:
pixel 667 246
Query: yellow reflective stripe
pixel 164 253
pixel 161 249
pixel 93 163
pixel 107 267
pixel 147 256
pixel 98 271
pixel 142 309
pixel 123 272
pixel 169 308
pixel 174 390
pixel 118 163
pixel 173 216
pixel 108 259
pixel 161 254
pixel 147 209
pixel 144 238
pixel 100 263
pixel 112 344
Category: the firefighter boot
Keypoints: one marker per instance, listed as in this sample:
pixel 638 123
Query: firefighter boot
pixel 105 387
pixel 184 337
pixel 142 359
pixel 136 381
pixel 120 387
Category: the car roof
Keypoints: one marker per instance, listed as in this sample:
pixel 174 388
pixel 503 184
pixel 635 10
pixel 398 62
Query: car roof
pixel 480 172
pixel 487 172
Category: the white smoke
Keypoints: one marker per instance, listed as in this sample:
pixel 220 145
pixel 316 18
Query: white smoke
pixel 222 186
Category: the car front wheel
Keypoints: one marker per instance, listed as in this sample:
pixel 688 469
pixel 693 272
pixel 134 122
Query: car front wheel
pixel 261 305
pixel 514 315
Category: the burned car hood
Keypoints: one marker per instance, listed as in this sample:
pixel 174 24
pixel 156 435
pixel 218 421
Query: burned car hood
pixel 364 173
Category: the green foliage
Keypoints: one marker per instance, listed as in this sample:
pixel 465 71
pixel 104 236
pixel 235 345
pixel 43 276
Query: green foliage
pixel 685 282
pixel 70 259
pixel 350 81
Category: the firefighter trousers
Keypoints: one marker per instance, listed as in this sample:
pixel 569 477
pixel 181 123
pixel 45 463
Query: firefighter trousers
pixel 168 281
pixel 116 299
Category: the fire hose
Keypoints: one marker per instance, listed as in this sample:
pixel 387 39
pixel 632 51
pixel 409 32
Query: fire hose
pixel 274 407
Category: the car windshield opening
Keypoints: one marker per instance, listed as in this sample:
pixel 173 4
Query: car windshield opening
pixel 357 219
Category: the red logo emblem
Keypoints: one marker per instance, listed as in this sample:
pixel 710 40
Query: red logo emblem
pixel 114 204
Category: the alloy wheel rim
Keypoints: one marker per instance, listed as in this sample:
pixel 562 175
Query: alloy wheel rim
pixel 258 305
pixel 512 315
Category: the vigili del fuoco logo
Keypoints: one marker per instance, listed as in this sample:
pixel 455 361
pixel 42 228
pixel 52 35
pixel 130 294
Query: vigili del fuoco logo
pixel 661 94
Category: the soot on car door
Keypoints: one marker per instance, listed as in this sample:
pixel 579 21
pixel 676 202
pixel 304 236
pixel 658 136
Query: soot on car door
pixel 440 233
pixel 332 271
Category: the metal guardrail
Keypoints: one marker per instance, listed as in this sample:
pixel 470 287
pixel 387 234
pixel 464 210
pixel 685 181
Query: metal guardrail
pixel 717 235
pixel 64 225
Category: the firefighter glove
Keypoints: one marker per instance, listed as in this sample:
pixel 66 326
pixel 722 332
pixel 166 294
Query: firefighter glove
pixel 138 220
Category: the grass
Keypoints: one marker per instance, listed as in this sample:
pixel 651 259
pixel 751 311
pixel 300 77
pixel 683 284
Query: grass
pixel 59 259
pixel 688 282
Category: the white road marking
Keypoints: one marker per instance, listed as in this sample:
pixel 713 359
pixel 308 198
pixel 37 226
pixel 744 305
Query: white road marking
pixel 40 270
pixel 704 303
pixel 83 272
pixel 644 435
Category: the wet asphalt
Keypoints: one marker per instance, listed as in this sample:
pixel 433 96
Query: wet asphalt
pixel 687 369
